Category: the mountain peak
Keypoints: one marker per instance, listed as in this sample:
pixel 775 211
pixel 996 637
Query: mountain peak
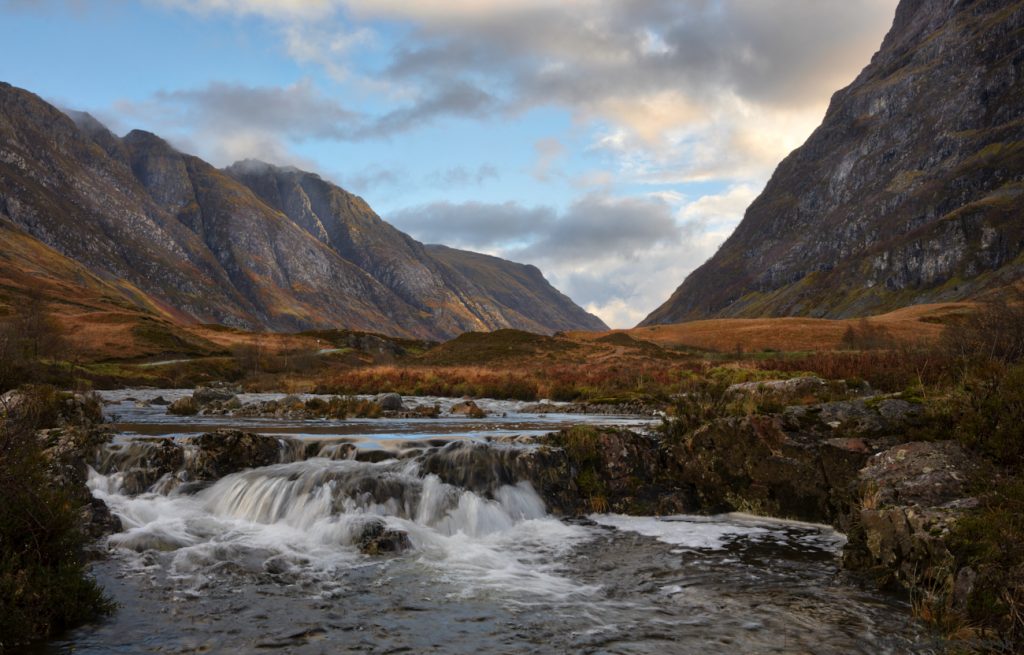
pixel 910 191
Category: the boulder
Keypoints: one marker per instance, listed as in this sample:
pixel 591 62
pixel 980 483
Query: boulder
pixel 375 538
pixel 207 396
pixel 912 495
pixel 467 408
pixel 808 385
pixel 214 455
pixel 390 402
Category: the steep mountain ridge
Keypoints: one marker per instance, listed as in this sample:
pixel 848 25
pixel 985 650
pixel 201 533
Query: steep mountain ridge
pixel 910 191
pixel 252 246
pixel 416 273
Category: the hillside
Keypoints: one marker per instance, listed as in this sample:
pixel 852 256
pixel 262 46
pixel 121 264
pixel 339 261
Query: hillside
pixel 919 325
pixel 911 191
pixel 525 296
pixel 253 246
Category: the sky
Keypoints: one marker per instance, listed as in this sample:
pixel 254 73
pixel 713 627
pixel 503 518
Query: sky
pixel 613 144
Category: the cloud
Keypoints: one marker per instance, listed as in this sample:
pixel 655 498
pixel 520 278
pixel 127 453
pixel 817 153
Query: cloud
pixel 598 224
pixel 372 178
pixel 460 176
pixel 489 227
pixel 618 256
pixel 548 150
pixel 455 98
pixel 227 122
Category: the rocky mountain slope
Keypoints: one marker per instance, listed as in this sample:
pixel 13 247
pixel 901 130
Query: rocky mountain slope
pixel 911 190
pixel 252 246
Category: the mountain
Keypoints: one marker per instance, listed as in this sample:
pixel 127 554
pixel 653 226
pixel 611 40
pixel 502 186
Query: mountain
pixel 520 288
pixel 910 191
pixel 252 246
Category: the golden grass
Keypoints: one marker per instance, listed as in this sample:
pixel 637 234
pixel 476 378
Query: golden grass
pixel 919 324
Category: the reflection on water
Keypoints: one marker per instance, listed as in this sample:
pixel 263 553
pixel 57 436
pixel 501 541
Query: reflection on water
pixel 267 560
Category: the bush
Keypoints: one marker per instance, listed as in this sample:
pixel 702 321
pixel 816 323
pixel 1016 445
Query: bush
pixel 994 333
pixel 991 542
pixel 43 584
pixel 988 415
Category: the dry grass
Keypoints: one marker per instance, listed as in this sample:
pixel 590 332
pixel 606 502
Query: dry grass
pixel 920 324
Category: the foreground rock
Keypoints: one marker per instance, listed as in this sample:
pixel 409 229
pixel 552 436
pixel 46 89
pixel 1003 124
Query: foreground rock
pixel 802 463
pixel 912 495
pixel 160 464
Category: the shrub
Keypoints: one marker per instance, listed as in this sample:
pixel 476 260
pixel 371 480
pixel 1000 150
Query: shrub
pixel 988 413
pixel 991 542
pixel 43 584
pixel 994 332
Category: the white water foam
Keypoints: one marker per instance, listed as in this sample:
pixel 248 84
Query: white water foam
pixel 718 532
pixel 305 518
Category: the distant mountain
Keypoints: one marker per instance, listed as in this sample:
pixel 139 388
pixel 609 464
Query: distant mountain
pixel 520 289
pixel 911 190
pixel 252 246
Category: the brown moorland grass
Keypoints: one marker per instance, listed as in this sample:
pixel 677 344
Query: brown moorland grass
pixel 916 325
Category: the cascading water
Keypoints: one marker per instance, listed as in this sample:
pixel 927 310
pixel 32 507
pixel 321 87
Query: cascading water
pixel 272 559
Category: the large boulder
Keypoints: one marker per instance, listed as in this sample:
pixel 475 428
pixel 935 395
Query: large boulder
pixel 214 455
pixel 911 497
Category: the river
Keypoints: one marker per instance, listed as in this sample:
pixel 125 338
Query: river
pixel 265 560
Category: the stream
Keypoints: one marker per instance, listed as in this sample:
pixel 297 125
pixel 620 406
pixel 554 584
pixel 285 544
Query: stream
pixel 266 560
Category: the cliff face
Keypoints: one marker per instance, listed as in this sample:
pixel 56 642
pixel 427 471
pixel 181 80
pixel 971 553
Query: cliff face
pixel 911 190
pixel 253 246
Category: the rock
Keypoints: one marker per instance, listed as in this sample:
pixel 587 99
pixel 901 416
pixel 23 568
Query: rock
pixel 375 538
pixel 808 385
pixel 911 497
pixel 468 408
pixel 160 400
pixel 214 455
pixel 203 396
pixel 390 402
pixel 183 407
pixel 10 401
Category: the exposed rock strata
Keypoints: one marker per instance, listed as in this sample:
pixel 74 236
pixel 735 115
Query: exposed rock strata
pixel 910 191
pixel 253 246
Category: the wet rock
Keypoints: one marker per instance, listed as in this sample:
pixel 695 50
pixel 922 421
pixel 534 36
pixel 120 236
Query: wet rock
pixel 468 408
pixel 141 462
pixel 606 470
pixel 214 455
pixel 160 400
pixel 203 396
pixel 373 456
pixel 375 538
pixel 67 451
pixel 390 402
pixel 183 407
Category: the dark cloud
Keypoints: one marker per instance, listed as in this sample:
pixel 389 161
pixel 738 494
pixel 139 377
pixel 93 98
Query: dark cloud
pixel 597 226
pixel 594 227
pixel 483 226
pixel 449 99
pixel 298 111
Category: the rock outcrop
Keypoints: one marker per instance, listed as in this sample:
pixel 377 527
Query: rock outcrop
pixel 252 246
pixel 910 191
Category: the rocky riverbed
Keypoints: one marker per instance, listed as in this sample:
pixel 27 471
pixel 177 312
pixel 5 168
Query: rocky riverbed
pixel 270 534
